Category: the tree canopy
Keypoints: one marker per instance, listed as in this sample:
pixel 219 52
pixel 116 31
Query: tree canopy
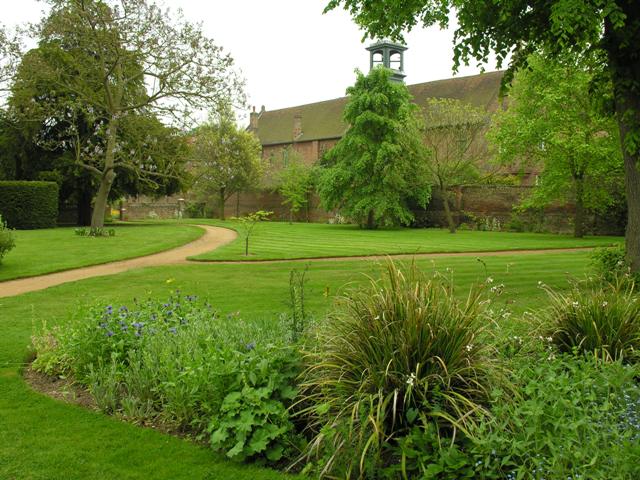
pixel 553 123
pixel 517 28
pixel 225 160
pixel 378 169
pixel 110 60
pixel 453 134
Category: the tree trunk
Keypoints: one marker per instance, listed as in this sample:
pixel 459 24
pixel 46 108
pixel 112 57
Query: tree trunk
pixel 371 220
pixel 447 211
pixel 221 202
pixel 622 50
pixel 578 220
pixel 237 204
pixel 108 175
pixel 83 207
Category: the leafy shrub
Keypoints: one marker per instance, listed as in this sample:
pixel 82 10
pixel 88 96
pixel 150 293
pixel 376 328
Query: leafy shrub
pixel 573 417
pixel 180 364
pixel 401 354
pixel 26 205
pixel 610 263
pixel 7 242
pixel 95 232
pixel 604 320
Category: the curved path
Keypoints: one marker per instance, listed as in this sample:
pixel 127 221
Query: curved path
pixel 213 238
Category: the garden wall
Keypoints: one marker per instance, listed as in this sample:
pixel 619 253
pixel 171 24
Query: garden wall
pixel 479 206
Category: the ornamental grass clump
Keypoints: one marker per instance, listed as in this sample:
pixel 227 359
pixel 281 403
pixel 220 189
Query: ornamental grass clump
pixel 402 354
pixel 603 320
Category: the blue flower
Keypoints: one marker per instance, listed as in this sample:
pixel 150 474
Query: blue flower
pixel 250 345
pixel 124 309
pixel 173 330
pixel 109 333
pixel 104 325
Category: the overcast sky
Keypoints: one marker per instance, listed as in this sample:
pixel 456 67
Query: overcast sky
pixel 288 51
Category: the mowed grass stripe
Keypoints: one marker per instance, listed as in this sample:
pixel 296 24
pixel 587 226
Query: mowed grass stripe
pixel 277 240
pixel 38 252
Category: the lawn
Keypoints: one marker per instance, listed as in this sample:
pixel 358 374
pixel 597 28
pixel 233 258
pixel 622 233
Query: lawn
pixel 51 250
pixel 281 240
pixel 45 439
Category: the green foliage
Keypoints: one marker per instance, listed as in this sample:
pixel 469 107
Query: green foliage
pixel 379 166
pixel 611 264
pixel 7 242
pixel 295 183
pixel 98 60
pixel 95 232
pixel 452 133
pixel 180 364
pixel 602 320
pixel 514 29
pixel 248 223
pixel 254 419
pixel 572 418
pixel 400 354
pixel 552 123
pixel 27 205
pixel 225 159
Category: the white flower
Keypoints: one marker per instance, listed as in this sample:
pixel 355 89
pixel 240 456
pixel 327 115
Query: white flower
pixel 489 280
pixel 575 304
pixel 605 303
pixel 549 339
pixel 469 348
pixel 411 379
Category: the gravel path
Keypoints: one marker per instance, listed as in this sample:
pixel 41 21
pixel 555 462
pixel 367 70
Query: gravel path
pixel 213 238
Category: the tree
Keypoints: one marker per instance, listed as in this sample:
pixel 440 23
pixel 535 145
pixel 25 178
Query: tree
pixel 379 166
pixel 247 225
pixel 9 55
pixel 226 160
pixel 32 147
pixel 517 28
pixel 453 135
pixel 115 58
pixel 295 183
pixel 552 122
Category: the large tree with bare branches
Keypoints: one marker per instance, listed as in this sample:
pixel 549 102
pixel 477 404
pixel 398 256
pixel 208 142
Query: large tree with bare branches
pixel 109 60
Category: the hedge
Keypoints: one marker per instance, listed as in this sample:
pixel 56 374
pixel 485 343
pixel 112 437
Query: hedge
pixel 26 205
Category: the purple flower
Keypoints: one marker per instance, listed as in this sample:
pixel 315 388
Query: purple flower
pixel 173 330
pixel 109 333
pixel 137 325
pixel 104 325
pixel 124 309
pixel 109 309
pixel 169 313
pixel 250 345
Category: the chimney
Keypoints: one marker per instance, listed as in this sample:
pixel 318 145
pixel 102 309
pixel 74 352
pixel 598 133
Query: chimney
pixel 297 126
pixel 253 120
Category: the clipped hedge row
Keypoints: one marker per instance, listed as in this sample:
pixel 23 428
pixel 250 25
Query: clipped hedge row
pixel 26 205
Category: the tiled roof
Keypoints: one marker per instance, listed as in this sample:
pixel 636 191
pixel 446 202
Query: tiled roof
pixel 323 120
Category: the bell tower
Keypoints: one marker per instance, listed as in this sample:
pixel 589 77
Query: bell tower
pixel 390 55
